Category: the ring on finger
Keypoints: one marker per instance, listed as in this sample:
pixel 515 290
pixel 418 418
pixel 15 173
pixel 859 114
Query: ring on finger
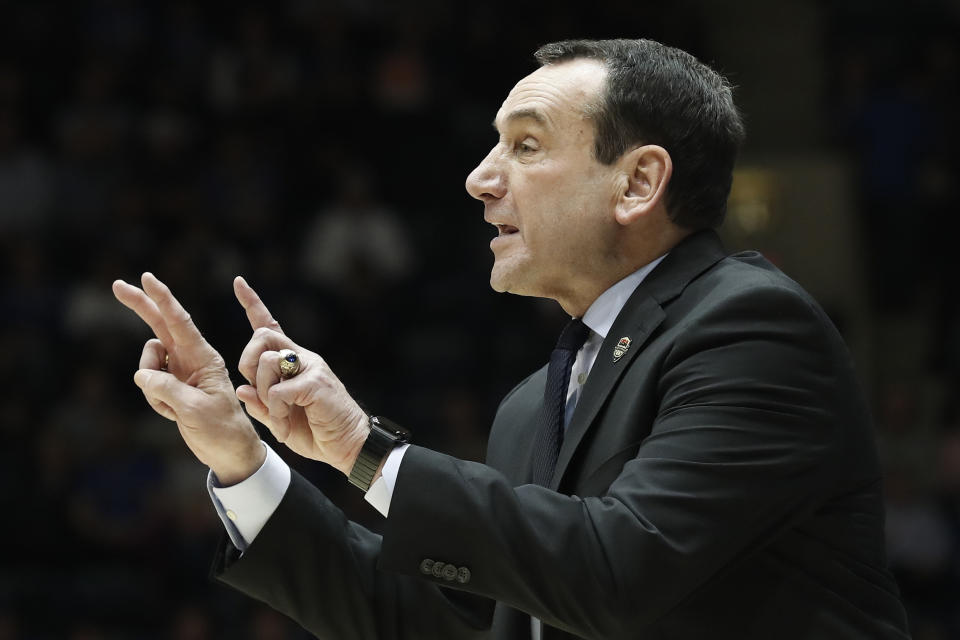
pixel 166 362
pixel 289 363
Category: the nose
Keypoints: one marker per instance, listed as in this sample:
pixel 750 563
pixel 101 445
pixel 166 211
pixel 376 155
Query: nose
pixel 486 182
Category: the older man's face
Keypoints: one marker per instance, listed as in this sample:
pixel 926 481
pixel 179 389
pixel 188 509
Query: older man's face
pixel 551 201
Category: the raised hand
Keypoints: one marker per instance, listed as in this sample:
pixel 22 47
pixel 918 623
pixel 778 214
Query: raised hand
pixel 311 413
pixel 184 379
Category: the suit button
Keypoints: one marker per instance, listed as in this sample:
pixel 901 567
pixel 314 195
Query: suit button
pixel 438 569
pixel 463 575
pixel 426 566
pixel 449 573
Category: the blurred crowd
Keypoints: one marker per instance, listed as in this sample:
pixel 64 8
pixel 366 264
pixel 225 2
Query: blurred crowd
pixel 319 149
pixel 895 94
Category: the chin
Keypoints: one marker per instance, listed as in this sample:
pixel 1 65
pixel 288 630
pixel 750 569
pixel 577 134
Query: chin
pixel 500 277
pixel 498 283
pixel 514 277
pixel 511 286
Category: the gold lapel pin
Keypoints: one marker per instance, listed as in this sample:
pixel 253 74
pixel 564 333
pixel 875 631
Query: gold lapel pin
pixel 622 347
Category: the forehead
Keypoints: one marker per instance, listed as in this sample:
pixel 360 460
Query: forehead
pixel 556 93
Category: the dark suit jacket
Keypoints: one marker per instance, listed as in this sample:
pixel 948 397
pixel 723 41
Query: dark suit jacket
pixel 719 480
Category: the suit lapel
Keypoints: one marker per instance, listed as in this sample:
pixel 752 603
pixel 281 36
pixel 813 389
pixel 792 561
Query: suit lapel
pixel 638 319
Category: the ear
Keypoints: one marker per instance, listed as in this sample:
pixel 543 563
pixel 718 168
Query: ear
pixel 647 170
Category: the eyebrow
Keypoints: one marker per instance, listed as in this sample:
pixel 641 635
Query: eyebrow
pixel 528 113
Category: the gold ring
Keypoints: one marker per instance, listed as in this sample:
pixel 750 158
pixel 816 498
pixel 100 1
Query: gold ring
pixel 166 362
pixel 289 363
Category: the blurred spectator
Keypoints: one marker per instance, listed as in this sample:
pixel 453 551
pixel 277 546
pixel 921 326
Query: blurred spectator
pixel 91 130
pixel 26 179
pixel 8 625
pixel 356 246
pixel 116 505
pixel 191 623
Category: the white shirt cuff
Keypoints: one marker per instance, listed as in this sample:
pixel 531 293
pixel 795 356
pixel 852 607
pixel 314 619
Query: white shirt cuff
pixel 380 492
pixel 246 506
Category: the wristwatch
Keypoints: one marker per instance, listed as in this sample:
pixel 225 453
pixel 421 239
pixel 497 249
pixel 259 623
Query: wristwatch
pixel 384 436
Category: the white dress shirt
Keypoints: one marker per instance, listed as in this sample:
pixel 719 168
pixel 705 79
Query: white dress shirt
pixel 246 506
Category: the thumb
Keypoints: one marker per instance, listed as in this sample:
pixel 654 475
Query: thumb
pixel 162 386
pixel 144 378
pixel 258 411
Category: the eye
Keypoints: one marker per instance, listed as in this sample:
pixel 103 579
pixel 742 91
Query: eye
pixel 525 147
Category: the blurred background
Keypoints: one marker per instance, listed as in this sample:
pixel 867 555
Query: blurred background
pixel 319 148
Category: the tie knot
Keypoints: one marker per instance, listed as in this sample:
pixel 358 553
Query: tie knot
pixel 573 335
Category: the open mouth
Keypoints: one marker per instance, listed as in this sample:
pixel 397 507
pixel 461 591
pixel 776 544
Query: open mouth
pixel 506 229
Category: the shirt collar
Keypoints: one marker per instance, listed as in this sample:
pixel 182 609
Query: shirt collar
pixel 605 309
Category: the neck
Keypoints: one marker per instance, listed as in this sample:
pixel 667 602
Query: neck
pixel 644 249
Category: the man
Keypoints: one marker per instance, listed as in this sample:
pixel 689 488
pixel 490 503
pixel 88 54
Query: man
pixel 707 469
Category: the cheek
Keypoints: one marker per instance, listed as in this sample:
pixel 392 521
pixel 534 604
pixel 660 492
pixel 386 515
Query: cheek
pixel 559 207
pixel 540 191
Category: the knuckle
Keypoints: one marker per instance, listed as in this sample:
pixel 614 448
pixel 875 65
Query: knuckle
pixel 182 318
pixel 189 408
pixel 276 402
pixel 248 370
pixel 264 358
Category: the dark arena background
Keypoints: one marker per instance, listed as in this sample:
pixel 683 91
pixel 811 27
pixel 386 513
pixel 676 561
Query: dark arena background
pixel 320 149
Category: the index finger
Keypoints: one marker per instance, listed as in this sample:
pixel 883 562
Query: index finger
pixel 178 321
pixel 257 312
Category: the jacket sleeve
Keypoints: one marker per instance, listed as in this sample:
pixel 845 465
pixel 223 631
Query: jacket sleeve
pixel 744 440
pixel 314 565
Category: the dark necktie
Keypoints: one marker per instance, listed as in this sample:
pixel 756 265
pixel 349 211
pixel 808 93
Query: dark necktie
pixel 546 449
